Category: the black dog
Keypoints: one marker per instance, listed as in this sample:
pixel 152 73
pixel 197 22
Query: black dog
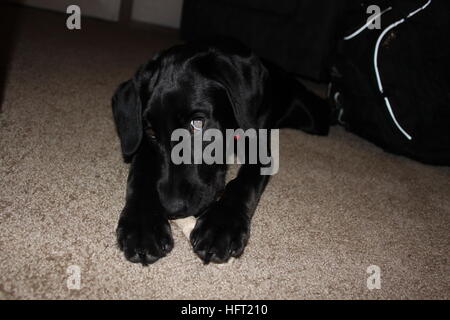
pixel 218 84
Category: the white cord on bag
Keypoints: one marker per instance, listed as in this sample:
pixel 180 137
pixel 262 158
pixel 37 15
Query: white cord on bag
pixel 377 47
pixel 369 22
pixel 377 72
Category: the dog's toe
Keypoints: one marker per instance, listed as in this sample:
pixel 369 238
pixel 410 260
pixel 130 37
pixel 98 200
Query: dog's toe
pixel 217 238
pixel 144 243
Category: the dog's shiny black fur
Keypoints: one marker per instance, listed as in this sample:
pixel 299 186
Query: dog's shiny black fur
pixel 229 87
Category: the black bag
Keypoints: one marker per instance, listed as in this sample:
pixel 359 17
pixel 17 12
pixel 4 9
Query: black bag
pixel 392 85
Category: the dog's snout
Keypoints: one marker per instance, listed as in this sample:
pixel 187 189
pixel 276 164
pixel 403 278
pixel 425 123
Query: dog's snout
pixel 175 207
pixel 173 200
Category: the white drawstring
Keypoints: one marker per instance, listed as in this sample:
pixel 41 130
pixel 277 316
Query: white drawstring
pixel 369 22
pixel 377 47
pixel 377 72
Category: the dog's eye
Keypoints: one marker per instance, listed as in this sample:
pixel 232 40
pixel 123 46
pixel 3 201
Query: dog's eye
pixel 197 125
pixel 151 133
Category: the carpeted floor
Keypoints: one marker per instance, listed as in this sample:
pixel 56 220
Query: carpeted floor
pixel 337 206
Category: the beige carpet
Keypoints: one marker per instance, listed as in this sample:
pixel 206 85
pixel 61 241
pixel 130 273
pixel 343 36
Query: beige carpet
pixel 337 206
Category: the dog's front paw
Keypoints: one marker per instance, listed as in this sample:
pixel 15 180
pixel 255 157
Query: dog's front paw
pixel 220 233
pixel 144 239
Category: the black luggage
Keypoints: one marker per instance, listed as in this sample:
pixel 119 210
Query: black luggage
pixel 392 85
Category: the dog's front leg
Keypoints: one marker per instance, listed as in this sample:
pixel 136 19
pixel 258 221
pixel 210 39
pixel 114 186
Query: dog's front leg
pixel 222 231
pixel 143 232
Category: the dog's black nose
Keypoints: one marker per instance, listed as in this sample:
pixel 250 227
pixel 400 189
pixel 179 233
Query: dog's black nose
pixel 175 207
pixel 174 195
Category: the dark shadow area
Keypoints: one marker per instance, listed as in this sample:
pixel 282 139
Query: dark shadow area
pixel 9 31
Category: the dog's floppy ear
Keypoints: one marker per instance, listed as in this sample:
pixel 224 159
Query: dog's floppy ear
pixel 127 105
pixel 127 112
pixel 243 77
pixel 245 88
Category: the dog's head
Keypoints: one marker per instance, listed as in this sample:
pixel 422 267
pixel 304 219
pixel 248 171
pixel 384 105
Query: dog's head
pixel 191 86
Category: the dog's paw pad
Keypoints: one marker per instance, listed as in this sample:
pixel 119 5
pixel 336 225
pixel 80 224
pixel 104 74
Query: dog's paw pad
pixel 144 243
pixel 218 238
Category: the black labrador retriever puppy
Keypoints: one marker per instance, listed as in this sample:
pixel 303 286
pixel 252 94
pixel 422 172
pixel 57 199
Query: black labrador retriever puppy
pixel 218 84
